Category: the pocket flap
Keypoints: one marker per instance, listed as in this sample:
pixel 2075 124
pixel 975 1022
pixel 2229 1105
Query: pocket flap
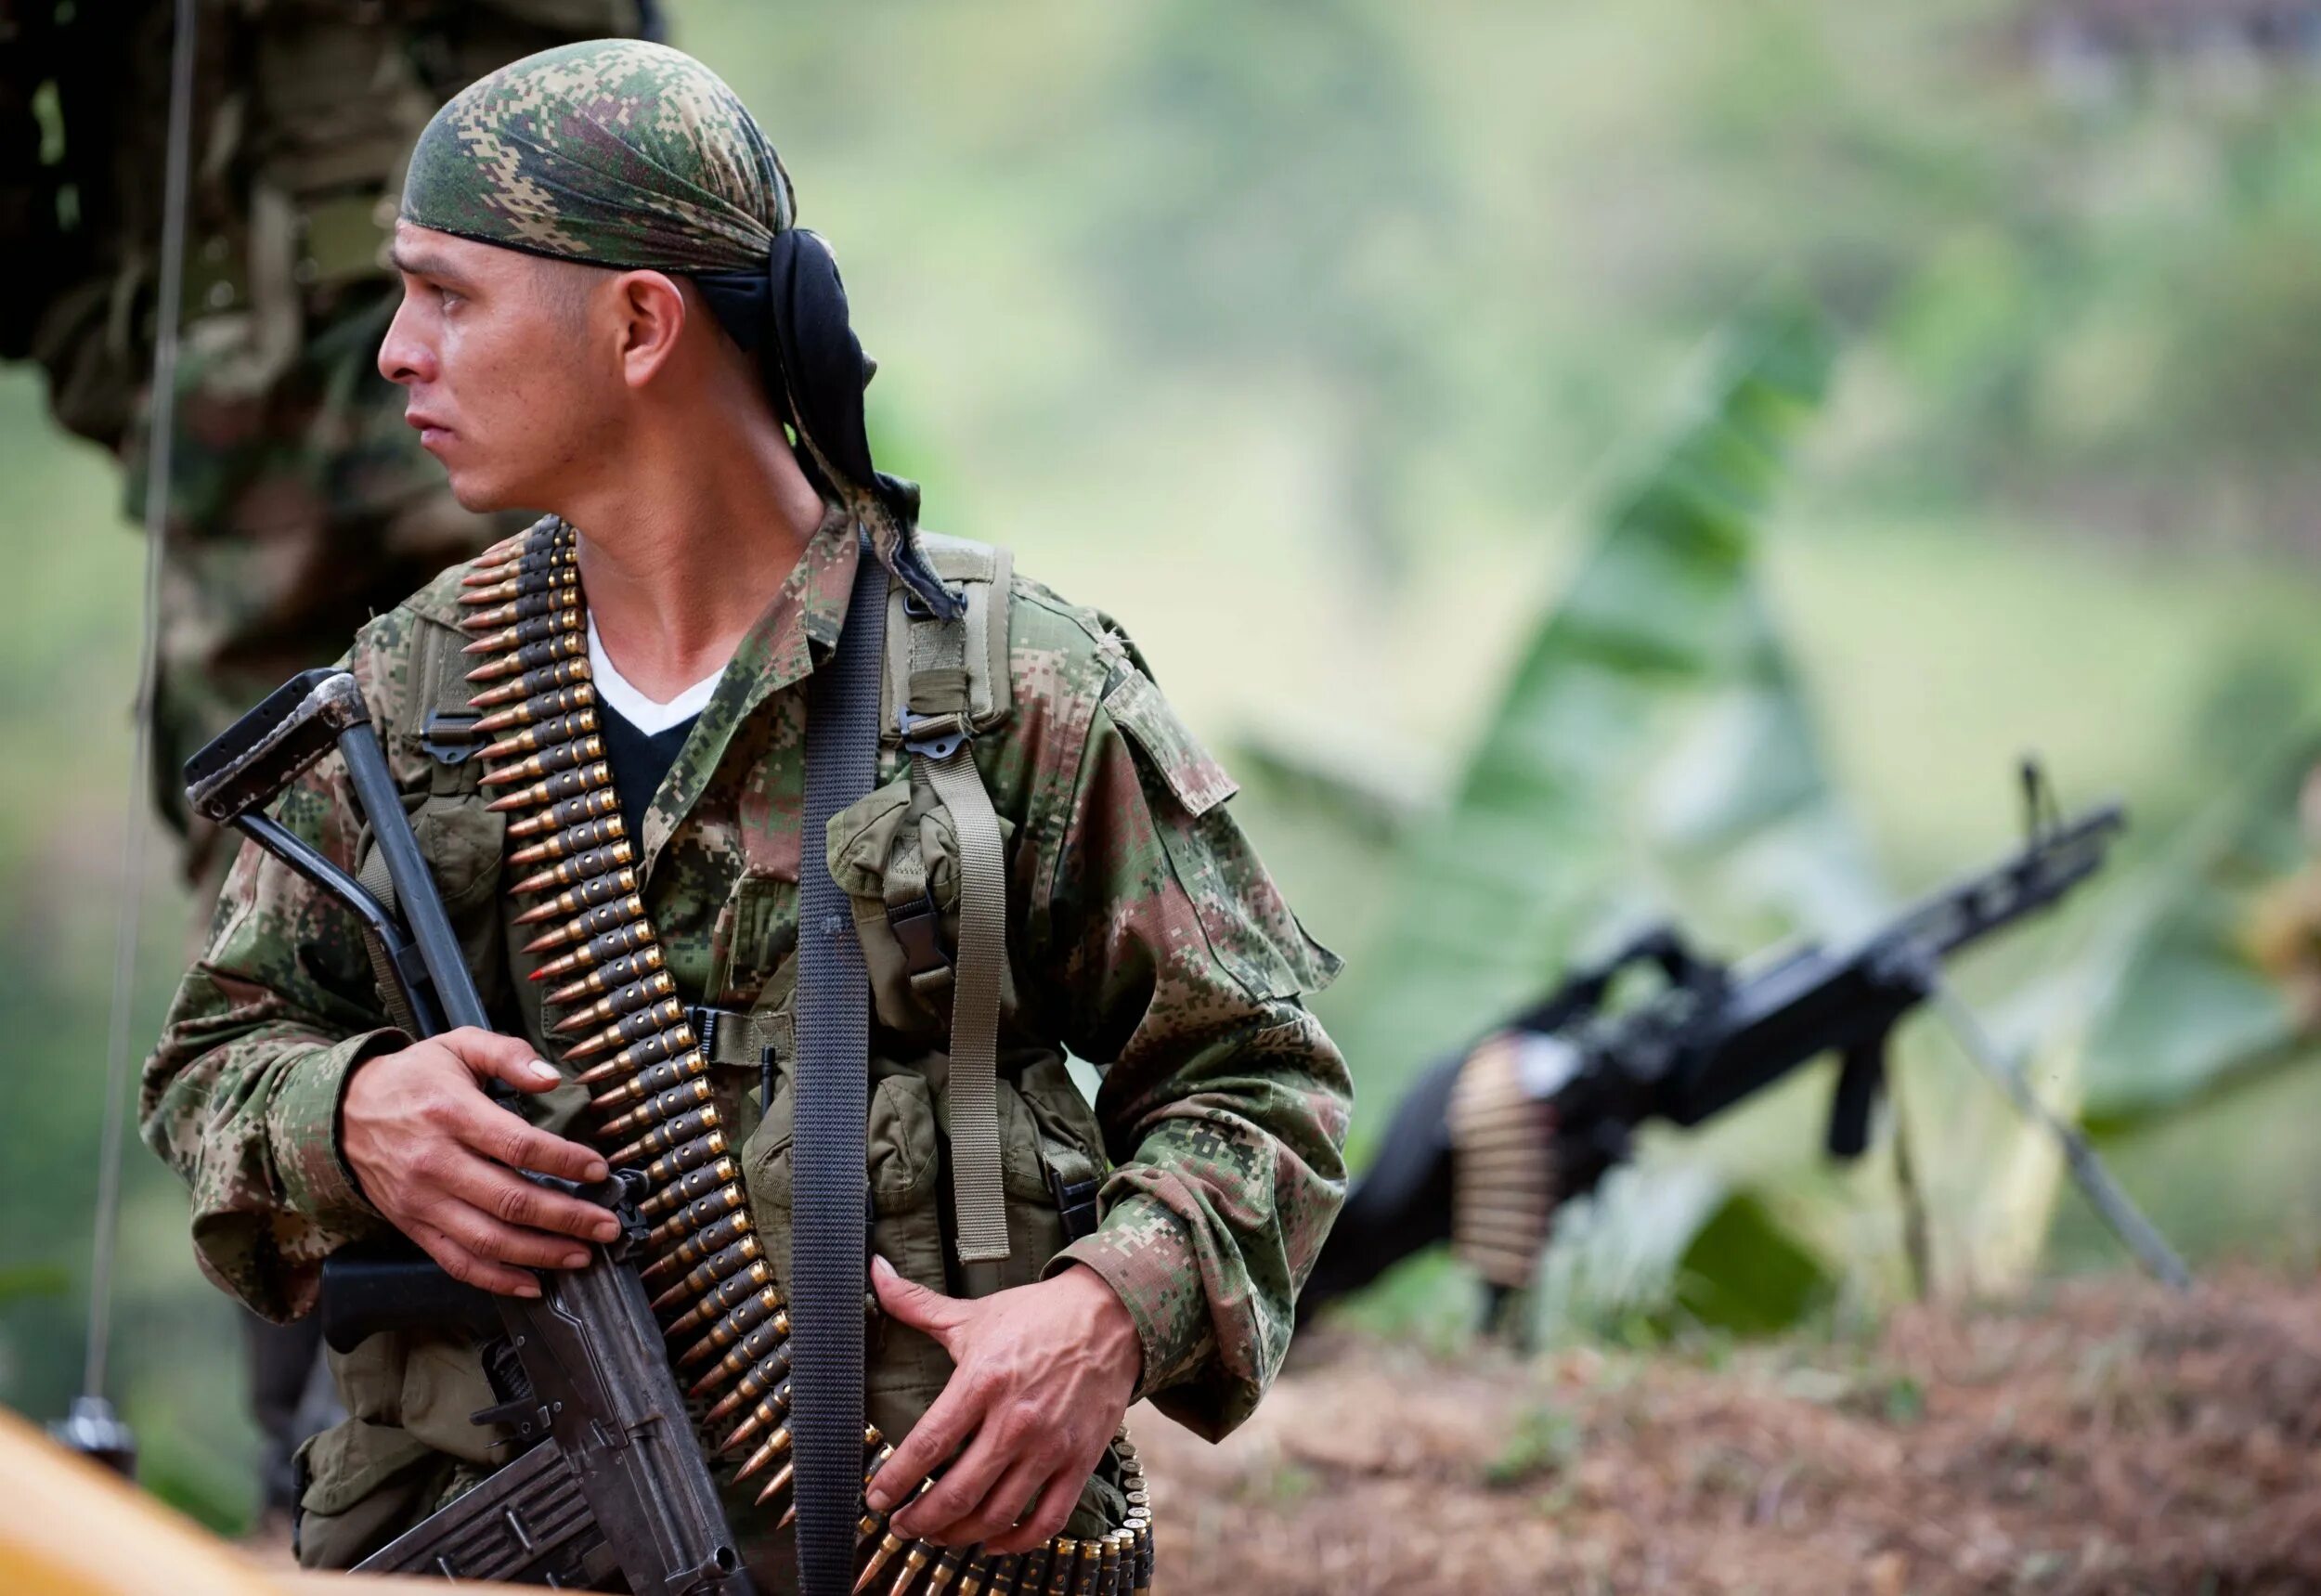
pixel 1176 755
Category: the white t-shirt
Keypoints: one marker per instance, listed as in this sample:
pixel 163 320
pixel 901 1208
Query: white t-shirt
pixel 633 706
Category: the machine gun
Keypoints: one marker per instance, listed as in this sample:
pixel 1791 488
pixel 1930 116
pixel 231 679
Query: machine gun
pixel 1490 1142
pixel 611 1483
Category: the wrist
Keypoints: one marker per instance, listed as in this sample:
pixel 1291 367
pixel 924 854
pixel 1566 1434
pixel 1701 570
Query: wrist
pixel 1112 1327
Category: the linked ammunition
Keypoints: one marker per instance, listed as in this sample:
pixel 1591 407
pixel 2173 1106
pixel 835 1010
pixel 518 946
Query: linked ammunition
pixel 604 918
pixel 946 1570
pixel 764 1352
pixel 669 1014
pixel 975 1578
pixel 611 974
pixel 564 673
pixel 532 655
pixel 1061 1568
pixel 535 628
pixel 774 1445
pixel 549 760
pixel 543 707
pixel 615 943
pixel 539 579
pixel 1032 1578
pixel 562 785
pixel 755 1308
pixel 729 1294
pixel 625 999
pixel 589 894
pixel 702 1276
pixel 694 1183
pixel 670 1105
pixel 675 1133
pixel 697 1214
pixel 915 1558
pixel 690 1156
pixel 700 1245
pixel 526 607
pixel 512 565
pixel 531 739
pixel 652 1050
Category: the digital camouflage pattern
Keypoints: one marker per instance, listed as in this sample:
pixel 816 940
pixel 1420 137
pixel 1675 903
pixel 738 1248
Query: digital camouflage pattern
pixel 616 152
pixel 1142 934
pixel 300 504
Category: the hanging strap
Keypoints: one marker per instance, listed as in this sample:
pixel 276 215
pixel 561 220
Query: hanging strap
pixel 832 1083
pixel 935 722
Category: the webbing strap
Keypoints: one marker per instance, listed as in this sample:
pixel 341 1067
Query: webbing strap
pixel 374 879
pixel 972 1090
pixel 832 1085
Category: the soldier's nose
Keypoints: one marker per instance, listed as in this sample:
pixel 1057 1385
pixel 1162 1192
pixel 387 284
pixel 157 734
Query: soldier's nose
pixel 403 358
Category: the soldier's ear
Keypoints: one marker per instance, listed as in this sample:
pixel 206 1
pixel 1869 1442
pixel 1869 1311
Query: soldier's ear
pixel 649 311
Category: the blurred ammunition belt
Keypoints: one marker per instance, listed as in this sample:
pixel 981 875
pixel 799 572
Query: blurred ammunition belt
pixel 725 1322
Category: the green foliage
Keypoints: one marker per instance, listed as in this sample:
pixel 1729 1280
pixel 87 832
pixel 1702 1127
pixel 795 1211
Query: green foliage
pixel 1545 1442
pixel 1652 734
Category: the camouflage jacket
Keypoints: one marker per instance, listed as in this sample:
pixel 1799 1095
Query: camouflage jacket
pixel 1142 934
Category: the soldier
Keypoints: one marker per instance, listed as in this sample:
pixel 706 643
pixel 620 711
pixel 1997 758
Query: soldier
pixel 300 505
pixel 611 313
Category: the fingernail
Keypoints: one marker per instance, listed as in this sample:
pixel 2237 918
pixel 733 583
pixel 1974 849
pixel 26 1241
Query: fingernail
pixel 880 1497
pixel 606 1230
pixel 880 1266
pixel 598 1169
pixel 575 1260
pixel 543 1071
pixel 529 1288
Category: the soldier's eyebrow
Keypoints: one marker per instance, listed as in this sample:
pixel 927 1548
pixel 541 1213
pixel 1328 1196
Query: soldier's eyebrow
pixel 426 264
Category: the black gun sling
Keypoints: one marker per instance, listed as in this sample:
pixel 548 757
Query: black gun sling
pixel 832 1083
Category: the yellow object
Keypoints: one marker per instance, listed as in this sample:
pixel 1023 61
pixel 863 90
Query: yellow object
pixel 69 1527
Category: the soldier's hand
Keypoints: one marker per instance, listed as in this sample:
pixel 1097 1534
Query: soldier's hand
pixel 1042 1375
pixel 439 1160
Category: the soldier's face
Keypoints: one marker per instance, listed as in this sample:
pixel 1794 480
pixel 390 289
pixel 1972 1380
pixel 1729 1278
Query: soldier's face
pixel 499 380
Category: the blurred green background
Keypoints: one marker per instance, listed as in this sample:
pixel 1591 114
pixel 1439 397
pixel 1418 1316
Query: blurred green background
pixel 1338 350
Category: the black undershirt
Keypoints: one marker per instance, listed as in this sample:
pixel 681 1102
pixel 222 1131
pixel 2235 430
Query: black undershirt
pixel 640 760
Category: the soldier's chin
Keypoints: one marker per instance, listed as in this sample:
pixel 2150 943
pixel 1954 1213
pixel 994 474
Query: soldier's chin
pixel 477 491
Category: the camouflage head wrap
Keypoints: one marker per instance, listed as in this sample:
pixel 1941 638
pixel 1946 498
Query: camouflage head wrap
pixel 617 152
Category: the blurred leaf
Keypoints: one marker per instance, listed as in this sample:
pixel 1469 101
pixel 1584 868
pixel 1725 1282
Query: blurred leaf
pixel 22 1280
pixel 1676 1245
pixel 2183 1001
pixel 1652 745
pixel 1363 790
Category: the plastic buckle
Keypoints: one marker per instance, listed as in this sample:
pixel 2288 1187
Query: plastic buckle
pixel 918 927
pixel 448 737
pixel 1075 1204
pixel 917 607
pixel 703 1021
pixel 937 736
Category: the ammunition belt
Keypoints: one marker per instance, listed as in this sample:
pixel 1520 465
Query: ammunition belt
pixel 725 1322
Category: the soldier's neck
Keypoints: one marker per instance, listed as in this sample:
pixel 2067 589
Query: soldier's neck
pixel 682 554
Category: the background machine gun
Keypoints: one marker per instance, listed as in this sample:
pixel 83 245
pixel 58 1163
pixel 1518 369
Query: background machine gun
pixel 611 1484
pixel 1489 1143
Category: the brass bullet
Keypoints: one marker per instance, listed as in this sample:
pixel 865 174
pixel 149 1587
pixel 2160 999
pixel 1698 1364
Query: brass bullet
pixel 622 1000
pixel 775 1447
pixel 768 1411
pixel 528 606
pixel 518 634
pixel 946 1570
pixel 614 943
pixel 596 890
pixel 669 1044
pixel 562 785
pixel 694 1183
pixel 763 1379
pixel 650 1083
pixel 539 579
pixel 593 832
pixel 668 1014
pixel 707 1275
pixel 914 1560
pixel 777 1485
pixel 539 706
pixel 487 571
pixel 673 1104
pixel 603 920
pixel 564 673
pixel 586 866
pixel 768 1341
pixel 700 1212
pixel 675 1133
pixel 547 762
pixel 721 1301
pixel 531 656
pixel 731 1230
pixel 613 975
pixel 691 1156
pixel 738 1322
pixel 543 735
pixel 1033 1577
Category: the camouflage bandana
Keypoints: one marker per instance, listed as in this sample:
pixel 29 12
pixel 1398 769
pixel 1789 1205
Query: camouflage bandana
pixel 617 152
pixel 612 152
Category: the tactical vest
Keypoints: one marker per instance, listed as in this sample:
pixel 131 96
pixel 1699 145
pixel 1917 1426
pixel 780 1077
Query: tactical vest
pixel 913 856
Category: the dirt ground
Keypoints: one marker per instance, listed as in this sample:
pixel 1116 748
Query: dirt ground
pixel 2099 1438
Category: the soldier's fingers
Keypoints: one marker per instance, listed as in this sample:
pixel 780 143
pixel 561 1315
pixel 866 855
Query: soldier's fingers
pixel 1017 1489
pixel 917 1306
pixel 1047 1517
pixel 527 1204
pixel 964 1492
pixel 936 1435
pixel 506 1139
pixel 489 1240
pixel 494 1057
pixel 462 1264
